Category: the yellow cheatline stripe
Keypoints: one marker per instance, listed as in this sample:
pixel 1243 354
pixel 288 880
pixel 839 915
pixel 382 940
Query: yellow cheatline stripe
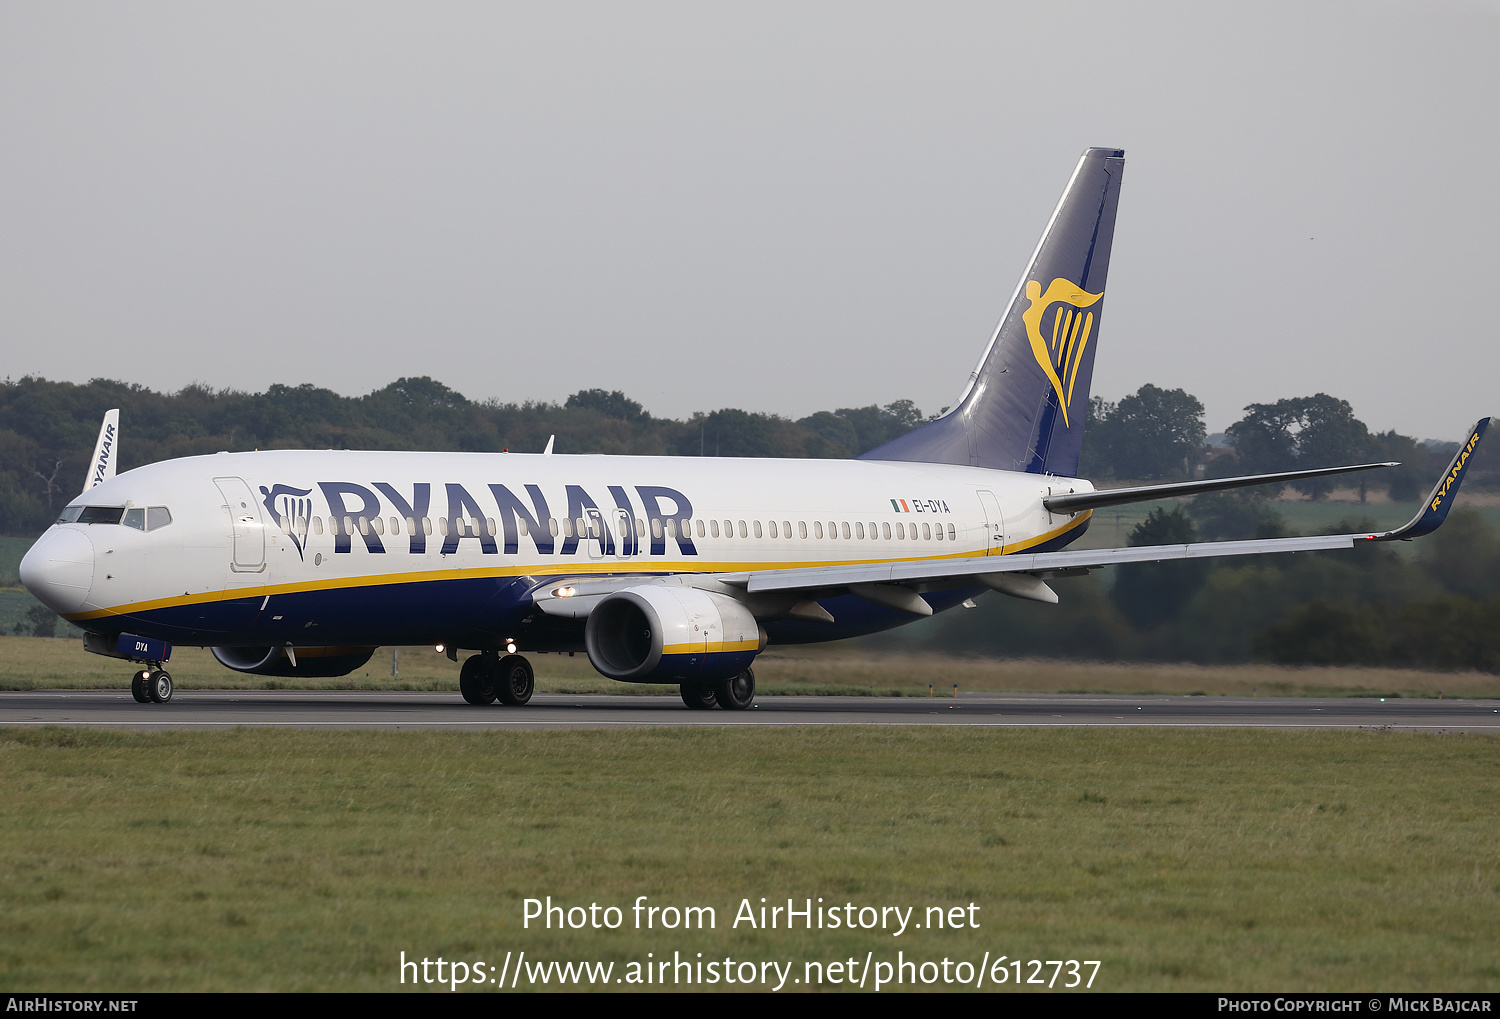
pixel 711 647
pixel 604 567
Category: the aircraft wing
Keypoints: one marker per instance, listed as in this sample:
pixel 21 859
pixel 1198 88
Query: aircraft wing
pixel 867 579
pixel 1022 575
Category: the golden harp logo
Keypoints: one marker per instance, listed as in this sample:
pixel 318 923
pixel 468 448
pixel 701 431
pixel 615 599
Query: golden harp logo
pixel 1059 331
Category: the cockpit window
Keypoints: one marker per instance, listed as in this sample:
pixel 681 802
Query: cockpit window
pixel 142 518
pixel 101 514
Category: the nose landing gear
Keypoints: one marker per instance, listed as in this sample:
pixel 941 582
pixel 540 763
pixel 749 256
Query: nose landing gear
pixel 151 686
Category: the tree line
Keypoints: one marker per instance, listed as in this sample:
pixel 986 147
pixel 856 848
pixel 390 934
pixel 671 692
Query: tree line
pixel 1370 606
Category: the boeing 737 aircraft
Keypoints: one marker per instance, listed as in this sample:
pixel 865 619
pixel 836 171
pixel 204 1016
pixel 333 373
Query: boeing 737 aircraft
pixel 663 569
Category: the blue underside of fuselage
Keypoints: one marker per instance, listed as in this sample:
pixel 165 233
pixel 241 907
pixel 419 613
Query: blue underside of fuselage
pixel 472 612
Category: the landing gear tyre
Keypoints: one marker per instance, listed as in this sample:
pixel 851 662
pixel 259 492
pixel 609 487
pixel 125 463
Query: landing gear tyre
pixel 476 680
pixel 159 686
pixel 515 681
pixel 698 696
pixel 138 688
pixel 738 693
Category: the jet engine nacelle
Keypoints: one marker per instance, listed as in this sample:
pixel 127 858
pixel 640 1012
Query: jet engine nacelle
pixel 310 661
pixel 664 634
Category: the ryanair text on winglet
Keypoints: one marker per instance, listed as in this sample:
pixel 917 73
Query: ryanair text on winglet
pixel 1458 468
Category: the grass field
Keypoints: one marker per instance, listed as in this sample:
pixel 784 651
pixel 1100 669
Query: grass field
pixel 31 663
pixel 273 860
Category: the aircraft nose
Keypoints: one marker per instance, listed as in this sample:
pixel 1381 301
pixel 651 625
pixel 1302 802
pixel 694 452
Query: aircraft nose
pixel 59 569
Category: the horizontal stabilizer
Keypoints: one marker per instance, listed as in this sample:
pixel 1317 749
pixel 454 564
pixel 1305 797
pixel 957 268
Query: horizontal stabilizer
pixel 1074 503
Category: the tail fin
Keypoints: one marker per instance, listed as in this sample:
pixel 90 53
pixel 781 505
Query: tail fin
pixel 102 467
pixel 1025 405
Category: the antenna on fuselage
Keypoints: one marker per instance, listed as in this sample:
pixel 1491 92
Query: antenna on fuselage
pixel 550 440
pixel 102 466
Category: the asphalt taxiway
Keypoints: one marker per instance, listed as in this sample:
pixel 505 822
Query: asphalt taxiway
pixel 318 709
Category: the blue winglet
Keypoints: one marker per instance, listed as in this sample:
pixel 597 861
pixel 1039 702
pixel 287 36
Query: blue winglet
pixel 1435 511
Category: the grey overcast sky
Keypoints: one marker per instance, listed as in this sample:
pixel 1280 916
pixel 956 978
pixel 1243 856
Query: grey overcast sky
pixel 780 207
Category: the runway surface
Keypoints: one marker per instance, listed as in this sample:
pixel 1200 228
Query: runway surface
pixel 315 709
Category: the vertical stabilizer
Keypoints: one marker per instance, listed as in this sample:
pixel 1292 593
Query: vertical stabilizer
pixel 102 466
pixel 1025 404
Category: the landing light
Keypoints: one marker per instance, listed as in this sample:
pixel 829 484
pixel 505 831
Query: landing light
pixel 438 648
pixel 564 592
pixel 510 647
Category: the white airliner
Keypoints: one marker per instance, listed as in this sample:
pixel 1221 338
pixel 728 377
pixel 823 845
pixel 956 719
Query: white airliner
pixel 663 569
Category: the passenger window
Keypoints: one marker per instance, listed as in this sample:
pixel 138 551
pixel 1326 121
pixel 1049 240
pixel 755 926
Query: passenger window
pixel 802 528
pixel 443 526
pixel 379 525
pixel 640 526
pixel 772 525
pixel 349 525
pixel 135 517
pixel 744 531
pixel 859 530
pixel 702 532
pixel 875 530
pixel 939 529
pixel 552 527
pixel 521 526
pixel 317 525
pixel 489 526
pixel 671 528
pixel 786 529
pixel 757 529
pixel 656 531
pixel 950 533
pixel 846 529
pixel 885 531
pixel 817 528
pixel 687 528
pixel 713 528
pixel 411 525
pixel 927 531
pixel 900 531
pixel 395 525
pixel 426 525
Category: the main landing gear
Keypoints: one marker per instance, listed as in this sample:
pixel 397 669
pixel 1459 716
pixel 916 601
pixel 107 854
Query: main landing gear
pixel 734 694
pixel 486 678
pixel 151 686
